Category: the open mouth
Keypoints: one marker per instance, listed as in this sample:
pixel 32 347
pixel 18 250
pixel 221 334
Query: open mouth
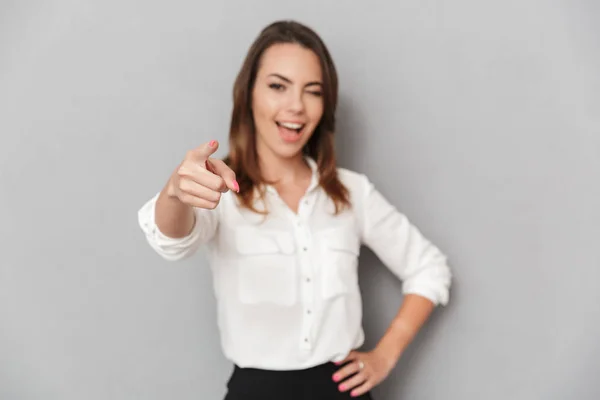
pixel 291 126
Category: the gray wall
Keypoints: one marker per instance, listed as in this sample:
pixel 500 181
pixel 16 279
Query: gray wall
pixel 480 121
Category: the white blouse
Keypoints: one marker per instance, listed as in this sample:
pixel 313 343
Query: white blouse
pixel 286 284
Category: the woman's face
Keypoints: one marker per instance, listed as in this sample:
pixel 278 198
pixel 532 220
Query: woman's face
pixel 287 102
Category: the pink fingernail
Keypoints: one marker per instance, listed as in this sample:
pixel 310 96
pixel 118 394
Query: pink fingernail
pixel 236 186
pixel 336 378
pixel 212 143
pixel 342 387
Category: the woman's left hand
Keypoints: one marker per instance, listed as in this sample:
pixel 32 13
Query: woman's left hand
pixel 370 369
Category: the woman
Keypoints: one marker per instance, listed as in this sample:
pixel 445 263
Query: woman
pixel 282 226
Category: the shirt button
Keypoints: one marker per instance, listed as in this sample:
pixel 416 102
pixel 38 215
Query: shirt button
pixel 305 248
pixel 307 279
pixel 306 340
pixel 308 311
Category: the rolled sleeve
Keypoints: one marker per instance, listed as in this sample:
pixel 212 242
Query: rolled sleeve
pixel 403 249
pixel 174 249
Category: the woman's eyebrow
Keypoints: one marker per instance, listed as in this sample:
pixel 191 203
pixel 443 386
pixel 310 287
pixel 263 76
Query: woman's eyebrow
pixel 283 78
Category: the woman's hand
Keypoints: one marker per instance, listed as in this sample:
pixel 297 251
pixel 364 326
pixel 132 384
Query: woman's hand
pixel 200 180
pixel 367 369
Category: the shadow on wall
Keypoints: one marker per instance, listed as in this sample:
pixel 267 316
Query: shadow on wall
pixel 349 131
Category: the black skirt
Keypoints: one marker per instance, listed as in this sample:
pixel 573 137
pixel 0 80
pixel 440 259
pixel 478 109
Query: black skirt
pixel 314 383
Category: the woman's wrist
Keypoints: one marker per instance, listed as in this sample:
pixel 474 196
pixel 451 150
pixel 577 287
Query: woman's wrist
pixel 395 341
pixel 170 187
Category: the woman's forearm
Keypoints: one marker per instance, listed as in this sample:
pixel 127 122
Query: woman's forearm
pixel 413 313
pixel 173 218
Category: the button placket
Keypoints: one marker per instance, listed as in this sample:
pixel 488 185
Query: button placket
pixel 307 292
pixel 306 269
pixel 307 289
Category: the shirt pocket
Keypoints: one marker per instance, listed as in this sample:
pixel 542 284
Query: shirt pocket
pixel 341 248
pixel 266 267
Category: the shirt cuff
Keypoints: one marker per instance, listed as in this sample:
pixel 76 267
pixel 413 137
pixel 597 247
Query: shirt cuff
pixel 158 240
pixel 436 296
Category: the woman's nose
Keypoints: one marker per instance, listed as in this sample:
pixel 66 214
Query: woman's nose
pixel 296 103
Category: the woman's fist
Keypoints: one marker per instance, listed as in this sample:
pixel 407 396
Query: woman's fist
pixel 200 180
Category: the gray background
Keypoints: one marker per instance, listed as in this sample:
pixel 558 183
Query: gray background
pixel 480 120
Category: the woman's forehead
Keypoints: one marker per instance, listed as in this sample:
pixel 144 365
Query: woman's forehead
pixel 291 61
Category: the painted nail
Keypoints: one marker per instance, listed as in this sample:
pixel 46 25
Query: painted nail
pixel 236 186
pixel 353 394
pixel 336 378
pixel 342 387
pixel 212 143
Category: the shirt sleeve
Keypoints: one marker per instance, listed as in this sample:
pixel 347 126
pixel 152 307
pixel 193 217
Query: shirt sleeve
pixel 402 248
pixel 174 249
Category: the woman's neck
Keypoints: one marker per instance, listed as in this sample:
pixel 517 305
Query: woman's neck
pixel 281 170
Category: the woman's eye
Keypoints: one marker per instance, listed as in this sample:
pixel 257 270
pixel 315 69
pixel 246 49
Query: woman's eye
pixel 276 86
pixel 316 93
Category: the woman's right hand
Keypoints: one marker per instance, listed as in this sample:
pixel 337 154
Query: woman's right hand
pixel 200 180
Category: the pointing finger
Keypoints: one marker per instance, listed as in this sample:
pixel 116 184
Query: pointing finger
pixel 219 167
pixel 201 153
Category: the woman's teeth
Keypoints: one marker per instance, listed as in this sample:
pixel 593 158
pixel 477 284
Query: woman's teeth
pixel 291 125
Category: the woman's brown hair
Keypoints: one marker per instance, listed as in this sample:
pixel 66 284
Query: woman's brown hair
pixel 243 158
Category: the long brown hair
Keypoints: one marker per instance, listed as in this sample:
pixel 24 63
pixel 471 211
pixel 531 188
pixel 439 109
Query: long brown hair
pixel 243 158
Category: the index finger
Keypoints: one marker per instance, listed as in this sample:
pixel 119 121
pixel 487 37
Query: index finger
pixel 220 168
pixel 202 152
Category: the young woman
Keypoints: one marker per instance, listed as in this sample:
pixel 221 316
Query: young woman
pixel 282 227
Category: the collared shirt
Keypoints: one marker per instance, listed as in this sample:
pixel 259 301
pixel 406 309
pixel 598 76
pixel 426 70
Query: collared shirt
pixel 286 284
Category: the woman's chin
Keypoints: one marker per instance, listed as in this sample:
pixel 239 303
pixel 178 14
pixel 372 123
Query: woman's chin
pixel 289 152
